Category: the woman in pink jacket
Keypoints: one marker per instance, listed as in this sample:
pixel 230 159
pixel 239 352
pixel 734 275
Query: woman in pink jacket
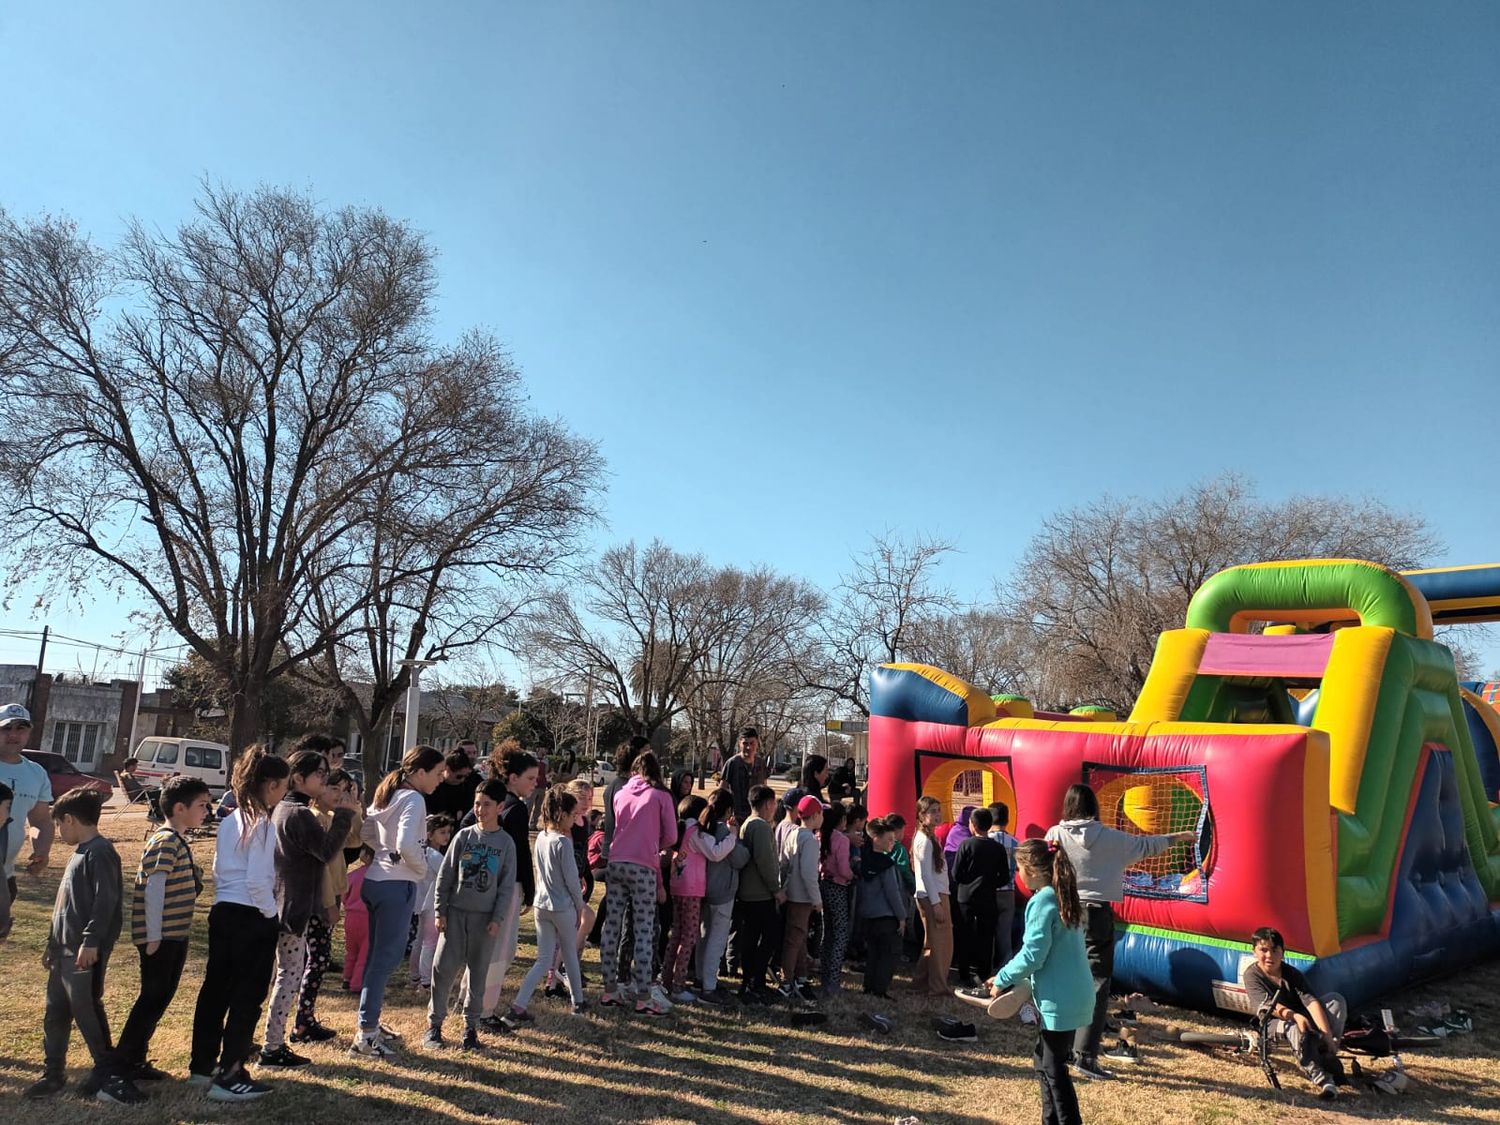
pixel 695 848
pixel 645 825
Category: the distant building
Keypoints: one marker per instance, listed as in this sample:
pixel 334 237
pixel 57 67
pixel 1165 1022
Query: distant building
pixel 87 723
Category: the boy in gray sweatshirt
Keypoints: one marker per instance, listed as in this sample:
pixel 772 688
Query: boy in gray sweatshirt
pixel 474 887
pixel 86 922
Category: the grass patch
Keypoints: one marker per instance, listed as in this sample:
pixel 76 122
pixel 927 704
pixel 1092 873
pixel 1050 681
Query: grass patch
pixel 735 1067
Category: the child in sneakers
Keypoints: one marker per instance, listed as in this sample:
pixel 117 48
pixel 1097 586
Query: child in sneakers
pixel 242 932
pixel 559 900
pixel 357 924
pixel 85 923
pixel 439 832
pixel 800 857
pixel 881 906
pixel 1052 959
pixel 335 889
pixel 167 884
pixel 696 848
pixel 304 848
pixel 836 884
pixel 471 897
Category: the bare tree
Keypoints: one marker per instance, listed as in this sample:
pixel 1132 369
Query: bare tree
pixel 984 645
pixel 874 615
pixel 1099 583
pixel 226 420
pixel 632 624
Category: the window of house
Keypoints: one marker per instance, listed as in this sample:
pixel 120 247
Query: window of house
pixel 77 742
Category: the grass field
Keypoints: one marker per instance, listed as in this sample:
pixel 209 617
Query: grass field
pixel 706 1065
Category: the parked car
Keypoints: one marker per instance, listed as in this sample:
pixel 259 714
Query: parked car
pixel 66 775
pixel 159 758
pixel 603 772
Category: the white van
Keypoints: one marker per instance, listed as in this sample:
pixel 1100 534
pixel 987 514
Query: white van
pixel 159 758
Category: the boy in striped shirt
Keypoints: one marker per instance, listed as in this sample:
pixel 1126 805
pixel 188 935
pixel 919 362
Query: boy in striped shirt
pixel 166 891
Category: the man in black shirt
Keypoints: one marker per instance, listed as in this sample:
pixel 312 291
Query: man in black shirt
pixel 1310 1023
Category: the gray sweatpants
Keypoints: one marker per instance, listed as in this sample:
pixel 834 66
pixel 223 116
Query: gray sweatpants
pixel 76 996
pixel 463 944
pixel 555 929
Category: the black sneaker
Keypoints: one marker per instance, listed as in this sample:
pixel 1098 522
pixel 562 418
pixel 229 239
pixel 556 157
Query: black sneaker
pixel 282 1057
pixel 434 1040
pixel 237 1086
pixel 471 1040
pixel 1123 1052
pixel 1089 1068
pixel 49 1085
pixel 807 993
pixel 313 1032
pixel 517 1018
pixel 956 1031
pixel 119 1090
pixel 145 1072
pixel 1125 1017
pixel 494 1025
pixel 557 990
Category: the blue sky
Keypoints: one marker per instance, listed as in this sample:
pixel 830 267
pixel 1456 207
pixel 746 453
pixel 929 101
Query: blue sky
pixel 811 271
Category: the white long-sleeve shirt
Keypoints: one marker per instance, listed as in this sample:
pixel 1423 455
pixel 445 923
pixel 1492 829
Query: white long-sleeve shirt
pixel 245 863
pixel 398 833
pixel 931 883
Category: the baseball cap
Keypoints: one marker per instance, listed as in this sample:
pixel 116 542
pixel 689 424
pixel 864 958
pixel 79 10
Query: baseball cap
pixel 809 805
pixel 14 715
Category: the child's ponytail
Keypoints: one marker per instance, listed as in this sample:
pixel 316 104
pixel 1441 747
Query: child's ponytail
pixel 1047 864
pixel 417 759
pixel 557 807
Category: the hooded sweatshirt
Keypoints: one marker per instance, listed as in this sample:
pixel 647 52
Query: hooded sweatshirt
pixel 880 893
pixel 1100 856
pixel 957 834
pixel 645 822
pixel 398 833
pixel 721 877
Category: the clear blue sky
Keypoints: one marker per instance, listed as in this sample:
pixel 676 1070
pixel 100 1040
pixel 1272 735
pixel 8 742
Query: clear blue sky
pixel 809 271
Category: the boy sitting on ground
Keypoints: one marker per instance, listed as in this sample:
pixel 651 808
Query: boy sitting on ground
pixel 1280 995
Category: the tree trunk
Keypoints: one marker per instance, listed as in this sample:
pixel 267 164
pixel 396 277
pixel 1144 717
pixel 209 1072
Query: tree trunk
pixel 245 716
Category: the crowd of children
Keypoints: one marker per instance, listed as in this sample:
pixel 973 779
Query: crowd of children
pixel 693 891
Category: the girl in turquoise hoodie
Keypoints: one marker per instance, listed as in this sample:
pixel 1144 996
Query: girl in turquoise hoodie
pixel 1053 962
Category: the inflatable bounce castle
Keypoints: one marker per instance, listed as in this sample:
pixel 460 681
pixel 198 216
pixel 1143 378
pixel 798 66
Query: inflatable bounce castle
pixel 1342 782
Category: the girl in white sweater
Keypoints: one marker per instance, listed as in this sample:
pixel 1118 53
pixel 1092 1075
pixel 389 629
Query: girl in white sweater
pixel 396 828
pixel 932 900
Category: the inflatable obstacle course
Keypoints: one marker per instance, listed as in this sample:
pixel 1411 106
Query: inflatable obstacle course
pixel 1340 780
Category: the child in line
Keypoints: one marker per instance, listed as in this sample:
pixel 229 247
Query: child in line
pixel 760 894
pixel 439 832
pixel 470 900
pixel 583 794
pixel 519 771
pixel 242 933
pixel 836 884
pixel 85 923
pixel 932 900
pixel 167 885
pixel 559 901
pixel 799 858
pixel 881 905
pixel 307 1029
pixel 357 924
pixel 980 867
pixel 303 850
pixel 1053 960
pixel 1005 897
pixel 696 848
pixel 724 856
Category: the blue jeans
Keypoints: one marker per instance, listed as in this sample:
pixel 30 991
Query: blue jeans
pixel 390 905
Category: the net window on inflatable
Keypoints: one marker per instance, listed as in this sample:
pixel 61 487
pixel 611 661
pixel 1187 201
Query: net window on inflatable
pixel 1353 778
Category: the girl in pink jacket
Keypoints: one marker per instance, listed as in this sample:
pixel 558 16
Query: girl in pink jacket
pixel 837 884
pixel 695 847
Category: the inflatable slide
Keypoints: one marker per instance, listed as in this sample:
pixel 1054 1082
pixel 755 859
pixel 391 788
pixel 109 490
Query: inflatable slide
pixel 1342 783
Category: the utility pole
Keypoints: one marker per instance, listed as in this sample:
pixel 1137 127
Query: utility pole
pixel 41 661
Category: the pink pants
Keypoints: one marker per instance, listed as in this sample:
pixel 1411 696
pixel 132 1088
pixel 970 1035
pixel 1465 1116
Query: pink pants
pixel 356 948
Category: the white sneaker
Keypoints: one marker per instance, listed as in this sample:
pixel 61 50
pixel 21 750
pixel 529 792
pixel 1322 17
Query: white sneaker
pixel 658 996
pixel 685 997
pixel 650 1006
pixel 371 1047
pixel 389 1036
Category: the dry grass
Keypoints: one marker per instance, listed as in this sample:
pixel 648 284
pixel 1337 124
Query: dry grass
pixel 735 1067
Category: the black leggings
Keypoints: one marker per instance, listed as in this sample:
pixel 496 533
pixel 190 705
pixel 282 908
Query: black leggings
pixel 241 955
pixel 1099 943
pixel 1059 1101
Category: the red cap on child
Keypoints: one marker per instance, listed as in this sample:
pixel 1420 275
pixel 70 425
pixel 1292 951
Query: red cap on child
pixel 809 805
